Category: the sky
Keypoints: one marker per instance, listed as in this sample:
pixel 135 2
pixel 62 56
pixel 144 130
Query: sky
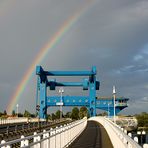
pixel 110 34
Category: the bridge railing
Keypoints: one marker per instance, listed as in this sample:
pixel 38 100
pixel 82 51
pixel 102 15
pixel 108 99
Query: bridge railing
pixel 122 134
pixel 58 137
pixel 117 136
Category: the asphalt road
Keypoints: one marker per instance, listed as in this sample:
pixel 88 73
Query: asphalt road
pixel 94 136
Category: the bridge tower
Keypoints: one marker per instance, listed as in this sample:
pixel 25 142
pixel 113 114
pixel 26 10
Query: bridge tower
pixel 88 83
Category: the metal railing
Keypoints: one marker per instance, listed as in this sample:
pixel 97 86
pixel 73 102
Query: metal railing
pixel 122 134
pixel 59 137
pixel 118 137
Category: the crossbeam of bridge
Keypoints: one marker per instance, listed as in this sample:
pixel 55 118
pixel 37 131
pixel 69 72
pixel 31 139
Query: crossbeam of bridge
pixel 106 104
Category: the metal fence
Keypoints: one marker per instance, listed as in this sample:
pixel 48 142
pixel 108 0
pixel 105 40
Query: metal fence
pixel 119 138
pixel 122 134
pixel 59 137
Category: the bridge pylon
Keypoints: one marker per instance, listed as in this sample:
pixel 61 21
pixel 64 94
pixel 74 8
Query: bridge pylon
pixel 89 83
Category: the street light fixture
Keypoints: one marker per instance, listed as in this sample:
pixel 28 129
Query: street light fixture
pixel 61 91
pixel 114 95
pixel 108 110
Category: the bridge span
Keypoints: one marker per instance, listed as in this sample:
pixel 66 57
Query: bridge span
pixel 95 132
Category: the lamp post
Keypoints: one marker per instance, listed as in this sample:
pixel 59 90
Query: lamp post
pixel 61 91
pixel 108 110
pixel 114 96
pixel 141 136
pixel 17 109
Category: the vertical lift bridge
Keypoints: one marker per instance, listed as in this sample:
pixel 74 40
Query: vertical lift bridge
pixel 89 83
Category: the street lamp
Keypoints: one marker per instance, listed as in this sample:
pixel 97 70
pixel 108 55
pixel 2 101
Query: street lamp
pixel 114 95
pixel 61 91
pixel 108 110
pixel 17 109
pixel 141 136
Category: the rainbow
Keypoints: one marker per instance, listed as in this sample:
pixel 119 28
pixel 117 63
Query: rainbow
pixel 43 53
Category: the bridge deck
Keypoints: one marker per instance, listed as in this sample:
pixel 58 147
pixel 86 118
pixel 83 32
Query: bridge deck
pixel 94 136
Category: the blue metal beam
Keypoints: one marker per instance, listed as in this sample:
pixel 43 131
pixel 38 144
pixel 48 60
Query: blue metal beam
pixel 106 105
pixel 69 73
pixel 39 71
pixel 66 84
pixel 68 100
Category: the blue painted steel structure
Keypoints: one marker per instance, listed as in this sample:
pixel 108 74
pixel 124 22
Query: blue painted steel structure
pixel 91 102
pixel 89 83
pixel 107 104
pixel 104 103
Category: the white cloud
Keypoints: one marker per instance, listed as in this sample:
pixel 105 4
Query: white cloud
pixel 145 99
pixel 138 57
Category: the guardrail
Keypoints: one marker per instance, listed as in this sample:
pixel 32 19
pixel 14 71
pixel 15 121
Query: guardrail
pixel 122 134
pixel 59 137
pixel 127 138
pixel 117 136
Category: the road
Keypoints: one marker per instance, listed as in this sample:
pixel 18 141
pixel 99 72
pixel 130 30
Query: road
pixel 94 136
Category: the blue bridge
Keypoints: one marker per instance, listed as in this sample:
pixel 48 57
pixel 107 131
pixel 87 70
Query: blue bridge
pixel 92 102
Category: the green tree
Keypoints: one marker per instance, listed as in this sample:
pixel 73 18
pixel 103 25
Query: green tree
pixel 68 115
pixel 13 113
pixel 142 119
pixel 83 112
pixel 53 116
pixel 49 117
pixel 75 113
pixel 5 112
pixel 32 115
pixel 1 114
pixel 20 115
pixel 58 112
pixel 27 114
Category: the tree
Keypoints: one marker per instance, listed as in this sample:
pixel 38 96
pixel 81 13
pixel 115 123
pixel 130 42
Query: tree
pixel 75 113
pixel 49 117
pixel 5 112
pixel 1 114
pixel 142 119
pixel 58 112
pixel 83 112
pixel 27 114
pixel 20 115
pixel 13 113
pixel 53 116
pixel 32 115
pixel 68 115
